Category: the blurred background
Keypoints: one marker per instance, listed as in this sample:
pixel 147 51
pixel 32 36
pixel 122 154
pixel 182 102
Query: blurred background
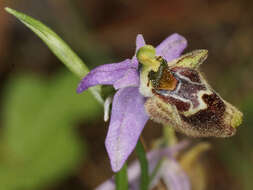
pixel 53 139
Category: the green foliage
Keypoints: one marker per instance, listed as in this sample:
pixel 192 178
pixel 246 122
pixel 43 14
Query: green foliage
pixel 67 56
pixel 54 42
pixel 38 142
pixel 144 165
pixel 121 179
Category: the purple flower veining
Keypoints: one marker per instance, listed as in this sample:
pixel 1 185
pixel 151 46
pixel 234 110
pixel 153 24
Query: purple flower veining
pixel 128 116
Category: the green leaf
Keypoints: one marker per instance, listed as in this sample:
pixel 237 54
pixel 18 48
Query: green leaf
pixel 122 179
pixel 144 183
pixel 38 143
pixel 57 46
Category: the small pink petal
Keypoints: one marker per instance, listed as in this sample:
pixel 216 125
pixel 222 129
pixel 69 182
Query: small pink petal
pixel 173 176
pixel 105 74
pixel 172 47
pixel 139 42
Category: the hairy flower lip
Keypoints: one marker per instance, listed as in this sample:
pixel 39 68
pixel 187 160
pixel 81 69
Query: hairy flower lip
pixel 128 115
pixel 192 107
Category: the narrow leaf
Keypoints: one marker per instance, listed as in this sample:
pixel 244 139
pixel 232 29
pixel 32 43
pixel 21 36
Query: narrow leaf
pixel 57 46
pixel 144 166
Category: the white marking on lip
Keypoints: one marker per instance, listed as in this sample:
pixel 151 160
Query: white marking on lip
pixel 186 78
pixel 178 87
pixel 202 105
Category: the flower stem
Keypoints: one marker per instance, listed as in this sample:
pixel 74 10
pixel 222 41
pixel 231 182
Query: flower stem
pixel 155 171
pixel 122 179
pixel 144 166
pixel 169 135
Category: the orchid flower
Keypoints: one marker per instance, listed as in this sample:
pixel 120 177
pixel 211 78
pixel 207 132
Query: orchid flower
pixel 169 171
pixel 128 115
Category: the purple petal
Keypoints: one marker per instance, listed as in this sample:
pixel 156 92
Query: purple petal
pixel 107 185
pixel 127 121
pixel 105 74
pixel 155 155
pixel 171 47
pixel 173 176
pixel 131 78
pixel 139 42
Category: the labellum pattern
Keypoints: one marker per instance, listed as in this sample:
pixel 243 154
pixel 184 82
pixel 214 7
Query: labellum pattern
pixel 182 98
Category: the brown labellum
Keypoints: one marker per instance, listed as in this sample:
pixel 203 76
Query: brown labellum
pixel 183 99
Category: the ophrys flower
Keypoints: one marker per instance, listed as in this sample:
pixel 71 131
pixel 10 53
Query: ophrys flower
pixel 165 87
pixel 128 115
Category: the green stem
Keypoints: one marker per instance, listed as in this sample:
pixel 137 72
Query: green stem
pixel 144 166
pixel 157 167
pixel 122 179
pixel 169 135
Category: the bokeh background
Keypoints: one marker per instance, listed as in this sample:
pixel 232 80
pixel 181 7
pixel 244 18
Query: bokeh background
pixel 53 139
